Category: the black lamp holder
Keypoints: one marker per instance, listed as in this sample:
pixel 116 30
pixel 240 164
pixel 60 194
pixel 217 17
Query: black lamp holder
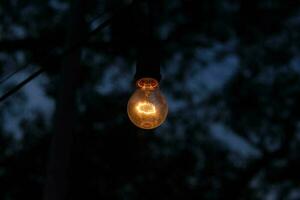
pixel 148 47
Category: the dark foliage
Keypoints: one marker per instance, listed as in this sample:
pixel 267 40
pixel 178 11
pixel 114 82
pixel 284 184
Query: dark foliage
pixel 231 73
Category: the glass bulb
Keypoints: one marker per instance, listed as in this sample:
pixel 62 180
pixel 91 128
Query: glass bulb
pixel 147 108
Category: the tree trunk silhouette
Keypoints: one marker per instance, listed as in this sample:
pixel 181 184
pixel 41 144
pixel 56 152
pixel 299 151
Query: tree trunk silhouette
pixel 56 187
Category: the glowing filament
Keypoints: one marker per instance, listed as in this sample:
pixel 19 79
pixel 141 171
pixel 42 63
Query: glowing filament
pixel 146 108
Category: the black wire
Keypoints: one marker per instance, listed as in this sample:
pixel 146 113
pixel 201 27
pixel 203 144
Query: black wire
pixel 21 84
pixel 67 51
pixel 3 80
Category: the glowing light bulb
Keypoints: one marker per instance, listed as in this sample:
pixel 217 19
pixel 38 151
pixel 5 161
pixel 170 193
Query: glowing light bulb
pixel 147 107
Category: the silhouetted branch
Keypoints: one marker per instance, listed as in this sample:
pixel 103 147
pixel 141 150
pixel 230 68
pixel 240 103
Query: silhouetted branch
pixel 30 44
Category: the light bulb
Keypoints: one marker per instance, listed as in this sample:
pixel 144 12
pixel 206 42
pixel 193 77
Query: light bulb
pixel 147 107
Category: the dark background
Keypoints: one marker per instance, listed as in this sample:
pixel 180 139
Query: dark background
pixel 231 75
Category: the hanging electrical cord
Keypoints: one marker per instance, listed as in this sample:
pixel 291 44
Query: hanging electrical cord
pixel 66 52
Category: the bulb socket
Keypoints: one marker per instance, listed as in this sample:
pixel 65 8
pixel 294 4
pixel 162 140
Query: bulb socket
pixel 148 61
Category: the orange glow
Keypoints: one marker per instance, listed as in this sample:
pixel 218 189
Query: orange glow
pixel 146 108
